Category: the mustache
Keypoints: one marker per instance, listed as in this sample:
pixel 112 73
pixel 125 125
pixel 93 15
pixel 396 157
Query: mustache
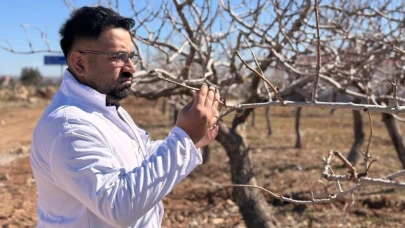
pixel 125 75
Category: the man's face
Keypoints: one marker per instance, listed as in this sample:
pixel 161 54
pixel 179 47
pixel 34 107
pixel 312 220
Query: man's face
pixel 105 73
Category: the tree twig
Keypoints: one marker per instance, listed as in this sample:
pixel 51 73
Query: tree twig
pixel 318 52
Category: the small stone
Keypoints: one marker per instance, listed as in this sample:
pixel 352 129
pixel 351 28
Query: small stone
pixel 30 181
pixel 217 221
pixel 22 150
pixel 212 215
pixel 234 209
pixel 239 225
pixel 186 213
pixel 32 100
pixel 290 218
pixel 194 223
pixel 179 218
pixel 4 176
pixel 230 202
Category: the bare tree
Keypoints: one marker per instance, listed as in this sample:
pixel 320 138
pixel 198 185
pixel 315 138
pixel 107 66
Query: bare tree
pixel 235 44
pixel 359 137
pixel 297 128
pixel 268 122
pixel 287 35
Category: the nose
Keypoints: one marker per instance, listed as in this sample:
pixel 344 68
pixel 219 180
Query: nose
pixel 129 67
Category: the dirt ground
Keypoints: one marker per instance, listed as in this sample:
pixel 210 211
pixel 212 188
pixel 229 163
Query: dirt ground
pixel 196 202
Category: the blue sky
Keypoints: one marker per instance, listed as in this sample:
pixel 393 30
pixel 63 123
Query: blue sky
pixel 48 15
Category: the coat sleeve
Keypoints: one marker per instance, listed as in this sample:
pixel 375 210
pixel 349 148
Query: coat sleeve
pixel 83 165
pixel 151 146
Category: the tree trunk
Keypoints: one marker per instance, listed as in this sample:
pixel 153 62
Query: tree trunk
pixel 253 206
pixel 358 137
pixel 206 154
pixel 269 131
pixel 164 106
pixel 253 123
pixel 175 114
pixel 297 128
pixel 396 136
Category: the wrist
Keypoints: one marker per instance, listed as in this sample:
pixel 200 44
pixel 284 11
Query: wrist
pixel 188 133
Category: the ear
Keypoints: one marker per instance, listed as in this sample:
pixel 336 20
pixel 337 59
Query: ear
pixel 78 63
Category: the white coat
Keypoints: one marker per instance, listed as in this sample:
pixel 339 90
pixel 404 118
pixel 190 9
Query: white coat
pixel 94 167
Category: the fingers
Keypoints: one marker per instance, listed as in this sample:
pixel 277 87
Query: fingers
pixel 201 96
pixel 207 100
pixel 207 97
pixel 217 98
pixel 213 132
pixel 214 108
pixel 210 97
pixel 213 122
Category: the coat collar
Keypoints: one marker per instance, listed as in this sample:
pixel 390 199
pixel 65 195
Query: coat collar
pixel 75 90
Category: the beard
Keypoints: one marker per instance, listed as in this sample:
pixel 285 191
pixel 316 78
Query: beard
pixel 120 92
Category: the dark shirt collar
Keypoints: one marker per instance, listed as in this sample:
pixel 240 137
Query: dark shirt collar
pixel 116 104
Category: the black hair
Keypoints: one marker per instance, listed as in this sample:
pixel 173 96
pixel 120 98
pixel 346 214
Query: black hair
pixel 89 23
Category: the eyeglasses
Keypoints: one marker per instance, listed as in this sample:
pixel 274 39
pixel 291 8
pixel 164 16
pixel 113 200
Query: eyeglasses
pixel 121 58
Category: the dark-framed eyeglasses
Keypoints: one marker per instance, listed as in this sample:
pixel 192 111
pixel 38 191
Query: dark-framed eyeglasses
pixel 121 58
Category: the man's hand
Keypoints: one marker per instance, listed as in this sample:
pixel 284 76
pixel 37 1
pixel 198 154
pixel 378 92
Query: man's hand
pixel 208 137
pixel 198 117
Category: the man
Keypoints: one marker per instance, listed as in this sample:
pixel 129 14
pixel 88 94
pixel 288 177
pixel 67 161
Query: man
pixel 92 165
